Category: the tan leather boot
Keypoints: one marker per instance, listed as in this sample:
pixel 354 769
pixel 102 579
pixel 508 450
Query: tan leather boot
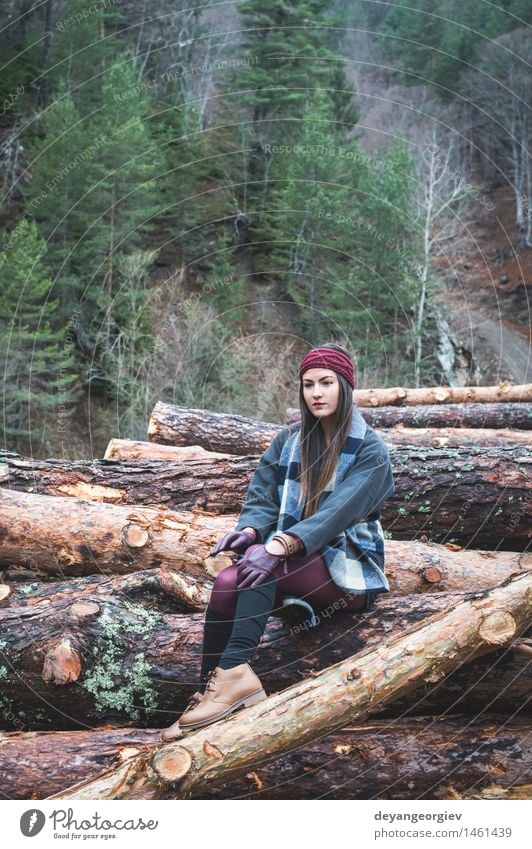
pixel 226 690
pixel 175 729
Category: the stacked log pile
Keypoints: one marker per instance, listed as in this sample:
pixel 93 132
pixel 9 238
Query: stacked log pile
pixel 105 575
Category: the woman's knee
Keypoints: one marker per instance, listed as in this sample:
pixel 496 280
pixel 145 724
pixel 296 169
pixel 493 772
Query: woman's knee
pixel 224 592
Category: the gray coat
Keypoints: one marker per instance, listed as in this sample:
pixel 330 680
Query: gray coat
pixel 353 504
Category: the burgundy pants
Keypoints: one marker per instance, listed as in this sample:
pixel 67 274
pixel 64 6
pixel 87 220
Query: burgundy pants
pixel 307 578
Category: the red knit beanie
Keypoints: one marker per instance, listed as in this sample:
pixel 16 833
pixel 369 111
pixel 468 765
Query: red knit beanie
pixel 329 358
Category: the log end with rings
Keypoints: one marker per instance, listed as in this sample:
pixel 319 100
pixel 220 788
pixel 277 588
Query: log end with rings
pixel 135 536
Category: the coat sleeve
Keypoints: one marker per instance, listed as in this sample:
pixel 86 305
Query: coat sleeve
pixel 261 507
pixel 368 483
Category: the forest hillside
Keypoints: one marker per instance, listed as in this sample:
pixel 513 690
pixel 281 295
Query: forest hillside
pixel 194 194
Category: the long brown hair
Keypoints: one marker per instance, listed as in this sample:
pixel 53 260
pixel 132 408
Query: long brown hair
pixel 318 460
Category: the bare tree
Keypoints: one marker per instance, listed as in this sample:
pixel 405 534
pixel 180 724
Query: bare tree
pixel 440 202
pixel 501 91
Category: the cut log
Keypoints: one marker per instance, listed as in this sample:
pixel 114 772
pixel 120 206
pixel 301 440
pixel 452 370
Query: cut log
pixel 433 437
pixel 132 449
pixel 411 567
pixel 342 694
pixel 396 396
pixel 473 496
pixel 97 649
pixel 220 432
pixel 408 759
pixel 229 434
pixel 499 415
pixel 173 425
pixel 71 536
pixel 456 437
pixel 216 484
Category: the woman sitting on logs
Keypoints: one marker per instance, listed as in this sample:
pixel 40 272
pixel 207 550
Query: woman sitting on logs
pixel 308 533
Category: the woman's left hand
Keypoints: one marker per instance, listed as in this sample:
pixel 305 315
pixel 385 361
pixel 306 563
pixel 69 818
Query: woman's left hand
pixel 255 567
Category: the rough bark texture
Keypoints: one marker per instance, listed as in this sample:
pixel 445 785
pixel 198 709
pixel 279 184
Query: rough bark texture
pixel 427 758
pixel 455 437
pixel 132 449
pixel 88 650
pixel 72 536
pixel 499 415
pixel 473 495
pixel 186 426
pixel 411 567
pixel 222 434
pixel 399 395
pixel 173 425
pixel 344 693
pixel 55 535
pixel 434 437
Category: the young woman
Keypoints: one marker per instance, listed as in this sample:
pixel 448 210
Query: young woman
pixel 309 532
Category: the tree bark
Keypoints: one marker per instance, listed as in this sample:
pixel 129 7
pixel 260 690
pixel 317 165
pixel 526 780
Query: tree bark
pixel 430 758
pixel 70 536
pixel 496 415
pixel 435 437
pixel 411 567
pixel 97 649
pixel 455 437
pixel 132 449
pixel 173 425
pixel 481 406
pixel 344 693
pixel 473 496
pixel 399 395
pixel 56 535
pixel 184 426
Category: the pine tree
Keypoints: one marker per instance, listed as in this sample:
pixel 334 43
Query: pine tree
pixel 345 243
pixel 123 196
pixel 315 179
pixel 223 289
pixel 290 47
pixel 94 193
pixel 83 48
pixel 436 46
pixel 130 354
pixel 62 161
pixel 37 365
pixel 291 56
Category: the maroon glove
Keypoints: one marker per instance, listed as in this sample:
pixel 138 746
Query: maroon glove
pixel 233 541
pixel 255 567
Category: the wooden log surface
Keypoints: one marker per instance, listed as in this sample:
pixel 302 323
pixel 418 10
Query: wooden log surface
pixel 411 567
pixel 171 424
pixel 497 415
pixel 344 693
pixel 135 449
pixel 475 496
pixel 433 437
pixel 88 650
pixel 56 535
pixel 400 395
pixel 222 432
pixel 413 758
pixel 72 536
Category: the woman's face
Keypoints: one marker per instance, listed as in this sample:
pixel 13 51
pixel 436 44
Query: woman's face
pixel 321 391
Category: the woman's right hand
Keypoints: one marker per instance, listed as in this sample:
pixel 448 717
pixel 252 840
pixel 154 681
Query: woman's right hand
pixel 237 541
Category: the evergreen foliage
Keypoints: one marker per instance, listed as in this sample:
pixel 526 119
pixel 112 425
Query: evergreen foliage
pixel 38 368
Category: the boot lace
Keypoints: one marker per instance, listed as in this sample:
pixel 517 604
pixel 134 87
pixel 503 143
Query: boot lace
pixel 194 700
pixel 210 683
